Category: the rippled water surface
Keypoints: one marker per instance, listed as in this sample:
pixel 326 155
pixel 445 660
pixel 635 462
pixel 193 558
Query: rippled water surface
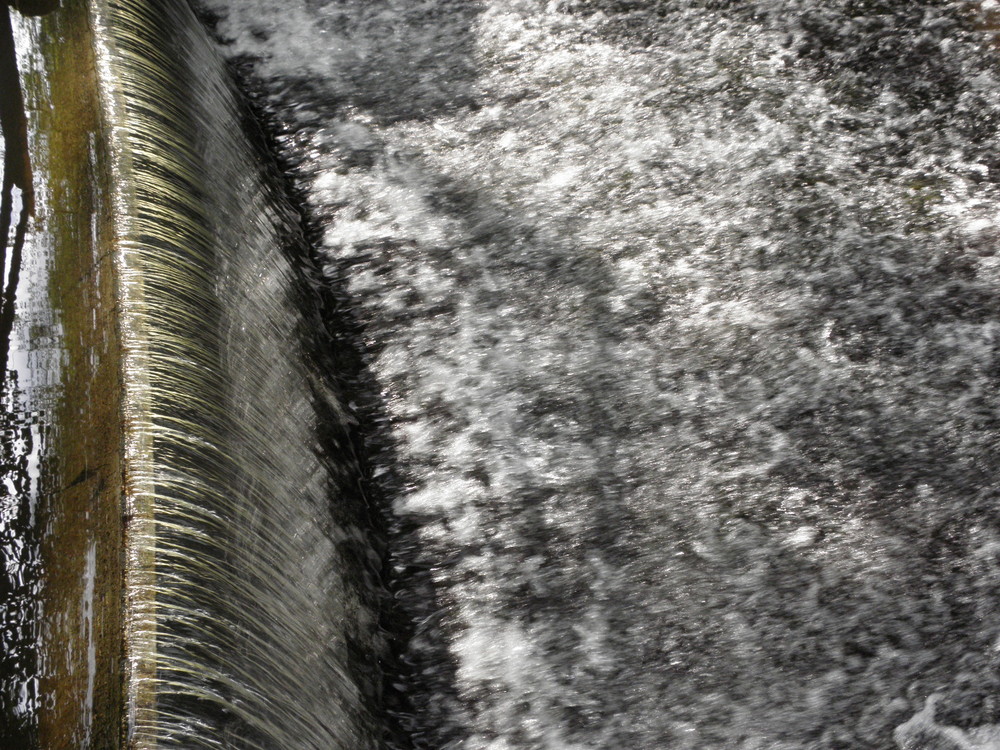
pixel 30 338
pixel 681 347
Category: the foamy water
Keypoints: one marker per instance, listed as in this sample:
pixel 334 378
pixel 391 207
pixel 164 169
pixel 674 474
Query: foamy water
pixel 681 342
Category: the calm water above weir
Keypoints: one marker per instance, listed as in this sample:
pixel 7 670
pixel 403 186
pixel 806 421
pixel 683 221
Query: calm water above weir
pixel 60 540
pixel 25 418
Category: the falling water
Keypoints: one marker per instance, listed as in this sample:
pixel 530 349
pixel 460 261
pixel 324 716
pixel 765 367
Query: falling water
pixel 248 621
pixel 246 616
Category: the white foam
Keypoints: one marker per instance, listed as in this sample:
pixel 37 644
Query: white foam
pixel 661 315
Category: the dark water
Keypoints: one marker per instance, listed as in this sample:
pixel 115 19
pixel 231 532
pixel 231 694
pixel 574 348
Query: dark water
pixel 24 429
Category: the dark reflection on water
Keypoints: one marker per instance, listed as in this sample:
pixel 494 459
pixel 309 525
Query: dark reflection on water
pixel 21 441
pixel 16 173
pixel 19 546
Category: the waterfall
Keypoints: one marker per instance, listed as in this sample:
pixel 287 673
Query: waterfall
pixel 214 542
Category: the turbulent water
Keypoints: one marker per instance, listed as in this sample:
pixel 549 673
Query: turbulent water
pixel 680 327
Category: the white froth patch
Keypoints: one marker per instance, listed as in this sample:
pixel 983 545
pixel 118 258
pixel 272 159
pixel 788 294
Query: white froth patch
pixel 922 731
pixel 493 650
pixel 440 497
pixel 978 225
pixel 500 654
pixel 802 536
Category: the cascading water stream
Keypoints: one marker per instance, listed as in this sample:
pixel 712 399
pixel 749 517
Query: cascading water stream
pixel 231 572
pixel 254 622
